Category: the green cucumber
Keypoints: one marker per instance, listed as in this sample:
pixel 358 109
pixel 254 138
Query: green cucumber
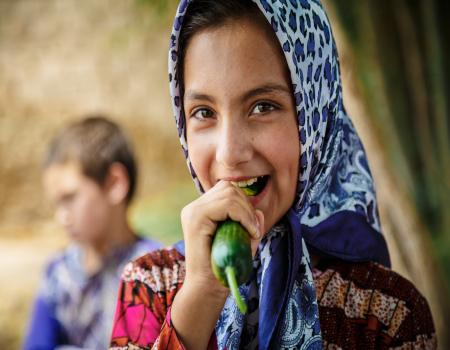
pixel 251 190
pixel 231 258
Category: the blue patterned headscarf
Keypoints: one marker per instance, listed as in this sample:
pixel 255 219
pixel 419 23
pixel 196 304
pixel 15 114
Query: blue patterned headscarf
pixel 335 210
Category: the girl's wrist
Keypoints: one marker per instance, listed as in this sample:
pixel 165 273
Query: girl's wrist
pixel 209 289
pixel 195 311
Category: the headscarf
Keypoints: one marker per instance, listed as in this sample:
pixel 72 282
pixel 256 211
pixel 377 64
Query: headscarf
pixel 335 210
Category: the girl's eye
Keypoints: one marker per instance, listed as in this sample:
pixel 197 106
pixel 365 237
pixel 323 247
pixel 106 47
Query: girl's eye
pixel 263 107
pixel 202 114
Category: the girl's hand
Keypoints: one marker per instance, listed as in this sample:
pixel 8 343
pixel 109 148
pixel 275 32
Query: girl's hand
pixel 197 305
pixel 199 221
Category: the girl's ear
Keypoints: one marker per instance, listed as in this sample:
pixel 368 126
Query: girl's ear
pixel 117 184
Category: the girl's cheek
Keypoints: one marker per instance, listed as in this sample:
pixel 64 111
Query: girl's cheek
pixel 200 158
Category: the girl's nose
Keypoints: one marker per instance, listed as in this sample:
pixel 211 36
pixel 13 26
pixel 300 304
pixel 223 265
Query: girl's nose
pixel 233 145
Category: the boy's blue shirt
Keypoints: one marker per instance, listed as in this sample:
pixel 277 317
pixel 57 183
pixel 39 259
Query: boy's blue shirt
pixel 76 310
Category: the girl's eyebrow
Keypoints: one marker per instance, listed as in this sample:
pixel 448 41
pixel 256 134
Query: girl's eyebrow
pixel 260 90
pixel 193 95
pixel 267 89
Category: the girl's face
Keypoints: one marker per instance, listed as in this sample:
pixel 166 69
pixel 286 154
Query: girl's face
pixel 240 115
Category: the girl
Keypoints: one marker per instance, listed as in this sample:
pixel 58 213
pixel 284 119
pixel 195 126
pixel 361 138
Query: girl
pixel 257 100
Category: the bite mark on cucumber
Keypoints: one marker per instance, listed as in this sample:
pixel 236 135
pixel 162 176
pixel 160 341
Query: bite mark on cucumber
pixel 256 187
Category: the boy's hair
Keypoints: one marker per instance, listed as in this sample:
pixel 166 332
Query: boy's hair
pixel 95 142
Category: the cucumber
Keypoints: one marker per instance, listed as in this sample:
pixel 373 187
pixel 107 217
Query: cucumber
pixel 251 190
pixel 231 258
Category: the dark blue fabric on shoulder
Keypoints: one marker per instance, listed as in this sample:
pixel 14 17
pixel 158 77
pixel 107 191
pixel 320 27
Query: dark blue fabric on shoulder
pixel 44 331
pixel 286 261
pixel 354 241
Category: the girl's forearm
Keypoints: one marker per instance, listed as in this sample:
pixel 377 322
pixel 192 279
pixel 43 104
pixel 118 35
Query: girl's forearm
pixel 194 313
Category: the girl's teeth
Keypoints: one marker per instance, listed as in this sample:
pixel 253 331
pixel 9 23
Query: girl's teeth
pixel 245 183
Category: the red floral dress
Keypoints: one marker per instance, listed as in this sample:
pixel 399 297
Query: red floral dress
pixel 361 306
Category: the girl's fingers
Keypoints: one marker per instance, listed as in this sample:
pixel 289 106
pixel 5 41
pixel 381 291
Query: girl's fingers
pixel 246 217
pixel 233 208
pixel 223 201
pixel 233 204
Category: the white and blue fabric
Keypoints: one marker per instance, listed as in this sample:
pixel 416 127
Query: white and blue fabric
pixel 335 211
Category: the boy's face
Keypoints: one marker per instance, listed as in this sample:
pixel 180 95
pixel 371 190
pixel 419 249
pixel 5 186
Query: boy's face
pixel 81 204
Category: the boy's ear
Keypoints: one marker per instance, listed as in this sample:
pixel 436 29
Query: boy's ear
pixel 117 183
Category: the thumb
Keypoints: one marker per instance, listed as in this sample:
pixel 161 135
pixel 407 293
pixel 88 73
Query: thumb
pixel 260 222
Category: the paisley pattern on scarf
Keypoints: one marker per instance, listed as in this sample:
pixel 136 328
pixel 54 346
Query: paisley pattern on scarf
pixel 301 319
pixel 334 178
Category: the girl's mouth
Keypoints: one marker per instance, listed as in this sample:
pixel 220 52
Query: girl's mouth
pixel 254 186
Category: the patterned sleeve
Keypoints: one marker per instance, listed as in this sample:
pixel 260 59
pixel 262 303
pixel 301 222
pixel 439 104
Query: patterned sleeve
pixel 417 329
pixel 364 305
pixel 135 325
pixel 147 289
pixel 44 330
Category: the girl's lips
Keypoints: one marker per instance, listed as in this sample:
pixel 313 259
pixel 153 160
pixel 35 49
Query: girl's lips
pixel 254 200
pixel 237 178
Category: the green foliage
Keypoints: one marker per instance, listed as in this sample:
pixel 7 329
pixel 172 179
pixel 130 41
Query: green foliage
pixel 158 217
pixel 402 51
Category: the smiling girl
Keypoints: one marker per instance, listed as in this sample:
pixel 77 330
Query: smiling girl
pixel 258 105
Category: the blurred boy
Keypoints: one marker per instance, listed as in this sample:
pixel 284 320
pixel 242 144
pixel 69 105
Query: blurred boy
pixel 90 177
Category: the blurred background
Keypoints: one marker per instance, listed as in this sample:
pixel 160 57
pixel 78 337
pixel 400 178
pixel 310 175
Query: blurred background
pixel 60 59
